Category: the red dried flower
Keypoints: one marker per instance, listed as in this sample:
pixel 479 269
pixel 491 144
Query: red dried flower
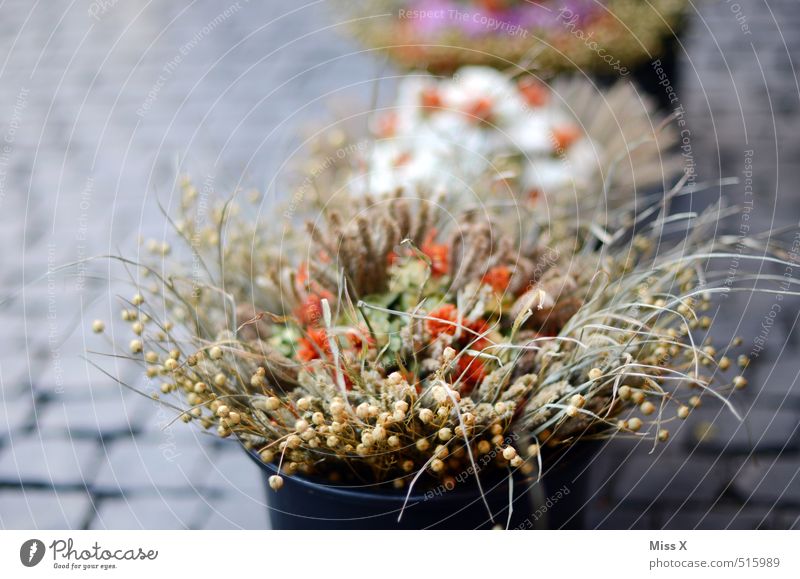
pixel 472 371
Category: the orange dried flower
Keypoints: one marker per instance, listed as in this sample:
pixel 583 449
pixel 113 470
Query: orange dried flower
pixel 481 109
pixel 498 278
pixel 437 253
pixel 430 98
pixel 449 313
pixel 446 313
pixel 310 311
pixel 314 342
pixel 565 136
pixel 402 159
pixel 387 125
pixel 534 92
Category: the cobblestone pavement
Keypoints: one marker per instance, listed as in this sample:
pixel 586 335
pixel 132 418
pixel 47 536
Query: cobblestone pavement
pixel 100 108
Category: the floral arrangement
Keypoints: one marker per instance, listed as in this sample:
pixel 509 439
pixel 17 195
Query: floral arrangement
pixel 442 35
pixel 478 122
pixel 392 346
pixel 483 134
pixel 454 134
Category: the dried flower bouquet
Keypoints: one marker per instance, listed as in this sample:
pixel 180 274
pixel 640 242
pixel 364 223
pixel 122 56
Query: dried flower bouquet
pixel 490 137
pixel 394 346
pixel 441 35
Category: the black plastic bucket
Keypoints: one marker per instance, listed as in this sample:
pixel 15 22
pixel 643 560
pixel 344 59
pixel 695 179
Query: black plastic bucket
pixel 554 503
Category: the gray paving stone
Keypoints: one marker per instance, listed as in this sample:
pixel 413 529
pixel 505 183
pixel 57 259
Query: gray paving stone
pixel 86 417
pixel 16 411
pixel 31 459
pixel 51 461
pixel 65 375
pixel 235 473
pixel 670 480
pixel 148 512
pixel 771 481
pixel 237 511
pixel 764 431
pixel 152 464
pixel 619 517
pixel 43 509
pixel 749 517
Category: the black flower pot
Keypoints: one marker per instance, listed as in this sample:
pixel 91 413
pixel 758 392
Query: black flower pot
pixel 555 502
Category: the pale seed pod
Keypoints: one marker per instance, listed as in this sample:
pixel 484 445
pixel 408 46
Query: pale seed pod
pixel 362 411
pixel 275 482
pixel 509 452
pixel 634 424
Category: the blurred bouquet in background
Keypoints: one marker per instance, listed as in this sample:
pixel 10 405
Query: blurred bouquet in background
pixel 606 36
pixel 488 137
